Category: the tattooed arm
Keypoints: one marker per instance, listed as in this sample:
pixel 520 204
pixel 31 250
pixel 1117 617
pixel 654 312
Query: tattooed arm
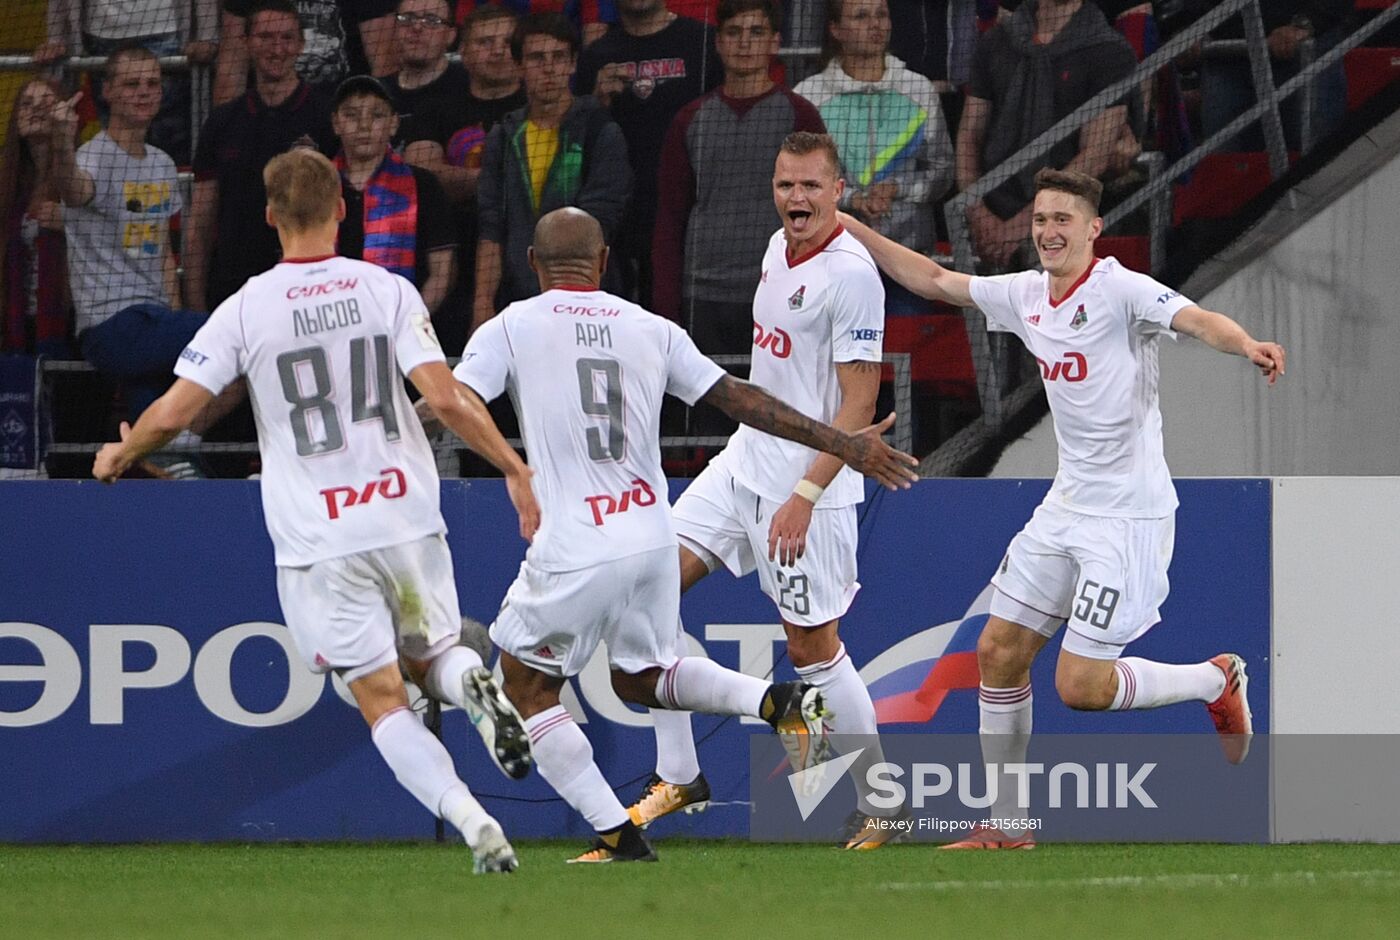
pixel 860 383
pixel 751 405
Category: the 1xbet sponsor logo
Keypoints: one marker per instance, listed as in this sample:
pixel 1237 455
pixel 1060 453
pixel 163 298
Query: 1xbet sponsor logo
pixel 866 336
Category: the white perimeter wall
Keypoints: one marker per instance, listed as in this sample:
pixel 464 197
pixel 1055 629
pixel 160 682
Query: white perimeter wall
pixel 1330 293
pixel 1336 648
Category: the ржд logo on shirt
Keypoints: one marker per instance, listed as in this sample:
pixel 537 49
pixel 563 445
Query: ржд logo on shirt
pixel 605 504
pixel 391 484
pixel 777 342
pixel 1073 368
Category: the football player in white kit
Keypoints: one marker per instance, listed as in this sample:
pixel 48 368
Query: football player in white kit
pixel 1095 553
pixel 587 373
pixel 349 484
pixel 783 508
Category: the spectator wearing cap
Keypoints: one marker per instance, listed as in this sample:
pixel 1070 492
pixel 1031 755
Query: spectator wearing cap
pixel 227 240
pixel 557 151
pixel 396 215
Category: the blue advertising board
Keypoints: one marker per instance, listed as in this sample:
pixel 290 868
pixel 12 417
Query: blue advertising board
pixel 149 692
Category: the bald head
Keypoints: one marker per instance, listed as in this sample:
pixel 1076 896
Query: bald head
pixel 567 234
pixel 568 248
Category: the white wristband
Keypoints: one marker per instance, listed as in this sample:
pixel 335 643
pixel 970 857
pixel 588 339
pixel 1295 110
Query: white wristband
pixel 808 491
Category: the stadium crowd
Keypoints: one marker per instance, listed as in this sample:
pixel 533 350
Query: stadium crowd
pixel 661 118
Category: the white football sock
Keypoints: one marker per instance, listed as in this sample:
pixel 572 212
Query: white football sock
pixel 565 759
pixel 676 760
pixel 852 719
pixel 1145 684
pixel 444 678
pixel 423 767
pixel 697 684
pixel 1005 730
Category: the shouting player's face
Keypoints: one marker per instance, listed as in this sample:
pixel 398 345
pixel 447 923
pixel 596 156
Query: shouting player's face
pixel 1063 228
pixel 806 189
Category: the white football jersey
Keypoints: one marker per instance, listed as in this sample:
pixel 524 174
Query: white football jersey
pixel 325 344
pixel 1097 350
pixel 587 372
pixel 809 314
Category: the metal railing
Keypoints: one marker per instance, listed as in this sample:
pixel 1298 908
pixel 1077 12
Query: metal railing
pixel 200 85
pixel 999 378
pixel 447 445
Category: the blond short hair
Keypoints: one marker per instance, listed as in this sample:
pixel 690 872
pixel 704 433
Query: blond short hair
pixel 303 189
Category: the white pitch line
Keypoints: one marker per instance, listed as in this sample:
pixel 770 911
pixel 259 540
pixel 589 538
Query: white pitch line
pixel 1178 880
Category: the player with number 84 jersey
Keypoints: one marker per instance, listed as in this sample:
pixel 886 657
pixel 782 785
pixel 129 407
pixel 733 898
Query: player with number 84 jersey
pixel 323 341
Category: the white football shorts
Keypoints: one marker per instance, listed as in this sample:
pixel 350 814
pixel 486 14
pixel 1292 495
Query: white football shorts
pixel 554 620
pixel 355 613
pixel 720 517
pixel 1106 578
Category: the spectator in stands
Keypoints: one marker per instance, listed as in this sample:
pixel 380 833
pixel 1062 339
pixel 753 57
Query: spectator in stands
pixel 342 37
pixel 932 37
pixel 557 151
pixel 423 32
pixel 34 299
pixel 645 69
pixel 448 136
pixel 1028 72
pixel 888 125
pixel 119 195
pixel 227 240
pixel 165 27
pixel 715 214
pixel 1227 87
pixel 396 215
pixel 589 17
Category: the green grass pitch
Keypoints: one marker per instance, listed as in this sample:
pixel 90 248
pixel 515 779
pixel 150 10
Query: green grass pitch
pixel 701 889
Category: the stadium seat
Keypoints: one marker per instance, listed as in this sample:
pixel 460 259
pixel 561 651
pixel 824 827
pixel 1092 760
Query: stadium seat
pixel 1133 251
pixel 1368 71
pixel 940 357
pixel 1364 6
pixel 1221 185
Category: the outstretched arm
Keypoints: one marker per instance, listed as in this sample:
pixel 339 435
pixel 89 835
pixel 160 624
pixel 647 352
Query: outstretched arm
pixel 168 416
pixel 864 450
pixel 918 273
pixel 461 410
pixel 1220 332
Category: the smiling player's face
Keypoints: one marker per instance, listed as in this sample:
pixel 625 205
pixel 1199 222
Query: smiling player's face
pixel 806 189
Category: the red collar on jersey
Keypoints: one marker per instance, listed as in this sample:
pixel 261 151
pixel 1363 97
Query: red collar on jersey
pixel 1076 285
pixel 575 287
pixel 794 262
pixel 312 260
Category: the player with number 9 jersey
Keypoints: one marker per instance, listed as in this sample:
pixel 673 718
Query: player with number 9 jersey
pixel 591 427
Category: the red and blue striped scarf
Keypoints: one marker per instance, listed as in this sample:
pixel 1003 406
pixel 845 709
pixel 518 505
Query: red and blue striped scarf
pixel 391 215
